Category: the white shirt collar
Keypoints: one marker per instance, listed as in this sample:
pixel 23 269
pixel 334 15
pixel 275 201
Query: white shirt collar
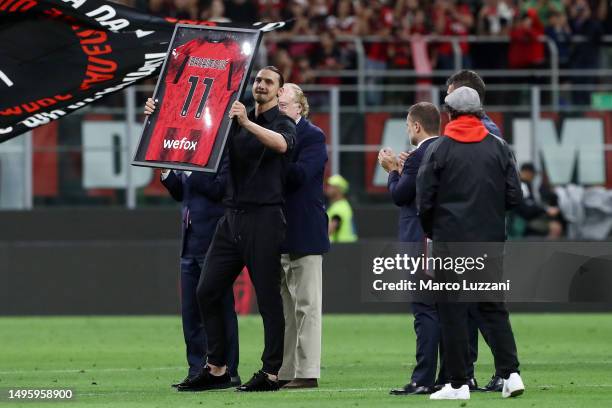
pixel 298 120
pixel 421 142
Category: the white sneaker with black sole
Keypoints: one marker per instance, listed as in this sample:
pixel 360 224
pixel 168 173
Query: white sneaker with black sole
pixel 513 386
pixel 449 393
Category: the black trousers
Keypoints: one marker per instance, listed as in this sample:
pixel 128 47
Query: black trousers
pixel 250 238
pixel 455 338
pixel 475 324
pixel 193 328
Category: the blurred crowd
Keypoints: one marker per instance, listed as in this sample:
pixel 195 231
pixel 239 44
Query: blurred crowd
pixel 391 27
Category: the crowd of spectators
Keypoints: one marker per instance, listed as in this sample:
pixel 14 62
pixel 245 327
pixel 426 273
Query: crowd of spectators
pixel 393 29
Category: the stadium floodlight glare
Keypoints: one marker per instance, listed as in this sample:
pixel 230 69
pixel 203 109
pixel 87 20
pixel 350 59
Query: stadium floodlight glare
pixel 247 48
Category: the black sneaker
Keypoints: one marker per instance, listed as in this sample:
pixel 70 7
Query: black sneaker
pixel 411 389
pixel 183 382
pixel 206 381
pixel 473 384
pixel 495 385
pixel 259 382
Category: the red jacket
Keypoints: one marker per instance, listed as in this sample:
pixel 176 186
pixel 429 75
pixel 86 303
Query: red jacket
pixel 525 50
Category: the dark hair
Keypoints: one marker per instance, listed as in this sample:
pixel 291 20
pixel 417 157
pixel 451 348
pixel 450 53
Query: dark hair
pixel 281 79
pixel 428 115
pixel 528 167
pixel 454 114
pixel 470 79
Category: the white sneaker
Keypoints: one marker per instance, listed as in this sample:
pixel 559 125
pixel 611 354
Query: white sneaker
pixel 513 386
pixel 449 393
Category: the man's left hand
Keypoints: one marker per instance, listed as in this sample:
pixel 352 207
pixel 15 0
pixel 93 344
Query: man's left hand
pixel 239 112
pixel 387 160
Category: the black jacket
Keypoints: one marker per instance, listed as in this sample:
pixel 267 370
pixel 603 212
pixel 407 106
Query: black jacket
pixel 200 195
pixel 466 182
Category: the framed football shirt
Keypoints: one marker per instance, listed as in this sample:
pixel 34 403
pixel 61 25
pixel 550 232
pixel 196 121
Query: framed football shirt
pixel 206 70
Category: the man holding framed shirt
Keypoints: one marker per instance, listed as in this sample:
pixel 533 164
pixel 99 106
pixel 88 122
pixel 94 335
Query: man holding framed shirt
pixel 250 233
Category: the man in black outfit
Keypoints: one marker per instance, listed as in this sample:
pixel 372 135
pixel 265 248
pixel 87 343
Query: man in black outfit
pixel 466 182
pixel 471 79
pixel 249 234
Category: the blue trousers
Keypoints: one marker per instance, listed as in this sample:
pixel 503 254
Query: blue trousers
pixel 427 330
pixel 193 328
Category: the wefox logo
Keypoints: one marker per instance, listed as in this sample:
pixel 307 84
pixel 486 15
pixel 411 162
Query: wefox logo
pixel 179 144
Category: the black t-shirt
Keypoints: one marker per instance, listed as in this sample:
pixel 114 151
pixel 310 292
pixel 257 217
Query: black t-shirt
pixel 257 174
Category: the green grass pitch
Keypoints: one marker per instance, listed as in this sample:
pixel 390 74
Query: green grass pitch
pixel 131 361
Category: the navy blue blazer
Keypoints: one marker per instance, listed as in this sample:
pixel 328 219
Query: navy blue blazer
pixel 304 205
pixel 200 195
pixel 403 193
pixel 491 126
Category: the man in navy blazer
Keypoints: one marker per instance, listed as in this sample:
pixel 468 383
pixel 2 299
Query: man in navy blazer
pixel 306 240
pixel 200 194
pixel 423 127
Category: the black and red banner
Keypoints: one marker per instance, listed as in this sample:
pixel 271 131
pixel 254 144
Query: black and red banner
pixel 60 55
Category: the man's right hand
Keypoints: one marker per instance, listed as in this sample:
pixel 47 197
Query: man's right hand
pixel 150 106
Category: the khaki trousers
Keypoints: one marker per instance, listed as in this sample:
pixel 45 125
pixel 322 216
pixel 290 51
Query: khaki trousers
pixel 301 290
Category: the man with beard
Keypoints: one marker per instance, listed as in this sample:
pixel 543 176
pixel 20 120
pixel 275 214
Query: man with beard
pixel 249 234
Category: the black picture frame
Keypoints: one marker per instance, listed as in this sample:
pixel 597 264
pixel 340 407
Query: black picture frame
pixel 184 33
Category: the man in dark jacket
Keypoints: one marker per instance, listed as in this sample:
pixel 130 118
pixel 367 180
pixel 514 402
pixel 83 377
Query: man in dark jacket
pixel 466 183
pixel 302 252
pixel 423 127
pixel 535 213
pixel 471 79
pixel 200 195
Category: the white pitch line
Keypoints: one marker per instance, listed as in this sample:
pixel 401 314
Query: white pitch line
pixel 89 370
pixel 122 369
pixel 527 363
pixel 381 389
pixel 323 389
pixel 569 386
pixel 529 388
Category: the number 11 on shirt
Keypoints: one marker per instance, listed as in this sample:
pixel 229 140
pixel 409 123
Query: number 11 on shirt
pixel 194 80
